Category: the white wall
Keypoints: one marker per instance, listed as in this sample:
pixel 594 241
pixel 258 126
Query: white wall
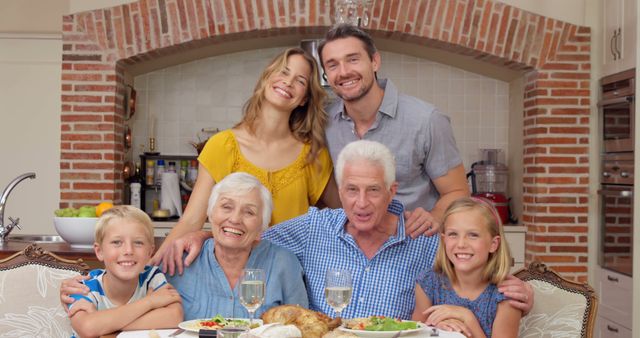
pixel 188 97
pixel 30 70
pixel 572 11
pixel 32 16
pixel 30 126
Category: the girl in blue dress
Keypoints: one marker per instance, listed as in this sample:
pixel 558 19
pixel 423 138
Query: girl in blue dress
pixel 460 293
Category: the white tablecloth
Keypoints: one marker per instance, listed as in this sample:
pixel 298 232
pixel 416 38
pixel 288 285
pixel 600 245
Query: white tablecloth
pixel 166 333
pixel 162 333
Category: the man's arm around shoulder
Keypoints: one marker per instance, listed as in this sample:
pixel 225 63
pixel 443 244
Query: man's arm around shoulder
pixel 292 234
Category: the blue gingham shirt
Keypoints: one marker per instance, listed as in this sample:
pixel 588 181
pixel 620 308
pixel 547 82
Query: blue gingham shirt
pixel 383 285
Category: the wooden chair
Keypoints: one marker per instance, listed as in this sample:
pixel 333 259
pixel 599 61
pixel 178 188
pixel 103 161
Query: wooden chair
pixel 29 293
pixel 562 308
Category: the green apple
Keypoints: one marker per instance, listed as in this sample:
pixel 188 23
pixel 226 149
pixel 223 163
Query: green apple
pixel 83 211
pixel 87 211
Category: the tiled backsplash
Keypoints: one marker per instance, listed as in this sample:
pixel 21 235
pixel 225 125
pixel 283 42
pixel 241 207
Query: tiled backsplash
pixel 210 93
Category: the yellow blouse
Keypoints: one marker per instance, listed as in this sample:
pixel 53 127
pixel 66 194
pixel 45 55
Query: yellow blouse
pixel 294 188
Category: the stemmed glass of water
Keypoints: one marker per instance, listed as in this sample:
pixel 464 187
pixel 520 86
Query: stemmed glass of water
pixel 338 289
pixel 252 290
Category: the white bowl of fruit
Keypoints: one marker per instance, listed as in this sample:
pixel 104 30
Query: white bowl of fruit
pixel 76 226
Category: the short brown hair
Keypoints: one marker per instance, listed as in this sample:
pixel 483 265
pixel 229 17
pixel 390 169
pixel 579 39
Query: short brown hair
pixel 344 31
pixel 124 212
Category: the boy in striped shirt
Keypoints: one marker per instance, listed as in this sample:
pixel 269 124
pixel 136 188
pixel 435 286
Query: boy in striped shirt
pixel 126 294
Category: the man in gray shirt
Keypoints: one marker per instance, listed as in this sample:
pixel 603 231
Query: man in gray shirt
pixel 429 168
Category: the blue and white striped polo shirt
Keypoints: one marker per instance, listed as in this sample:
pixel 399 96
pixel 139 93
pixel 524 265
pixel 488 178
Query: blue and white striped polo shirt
pixel 383 285
pixel 150 278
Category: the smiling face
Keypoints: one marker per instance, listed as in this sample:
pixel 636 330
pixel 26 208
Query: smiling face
pixel 350 71
pixel 288 88
pixel 468 241
pixel 237 220
pixel 125 249
pixel 364 194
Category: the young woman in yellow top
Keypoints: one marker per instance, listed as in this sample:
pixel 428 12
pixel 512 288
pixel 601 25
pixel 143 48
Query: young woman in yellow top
pixel 280 140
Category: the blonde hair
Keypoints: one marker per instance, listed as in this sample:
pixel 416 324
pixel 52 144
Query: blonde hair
pixel 124 212
pixel 307 122
pixel 499 262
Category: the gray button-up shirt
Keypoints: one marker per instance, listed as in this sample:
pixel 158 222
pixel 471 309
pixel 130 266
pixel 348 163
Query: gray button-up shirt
pixel 417 134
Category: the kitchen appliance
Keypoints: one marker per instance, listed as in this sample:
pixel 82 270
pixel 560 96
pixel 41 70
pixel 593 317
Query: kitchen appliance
pixel 618 111
pixel 616 231
pixel 488 179
pixel 311 47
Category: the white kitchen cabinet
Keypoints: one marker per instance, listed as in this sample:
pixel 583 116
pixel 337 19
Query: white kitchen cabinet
pixel 162 229
pixel 619 36
pixel 515 236
pixel 609 329
pixel 614 309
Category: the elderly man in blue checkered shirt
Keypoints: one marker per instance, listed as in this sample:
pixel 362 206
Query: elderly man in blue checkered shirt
pixel 366 237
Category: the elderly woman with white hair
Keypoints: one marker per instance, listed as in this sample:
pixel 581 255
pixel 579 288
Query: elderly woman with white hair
pixel 239 210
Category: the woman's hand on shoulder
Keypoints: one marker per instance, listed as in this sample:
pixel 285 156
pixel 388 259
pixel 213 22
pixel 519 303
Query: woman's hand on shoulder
pixel 72 286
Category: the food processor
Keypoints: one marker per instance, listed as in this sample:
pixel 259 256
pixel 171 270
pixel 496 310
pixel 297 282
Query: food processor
pixel 489 180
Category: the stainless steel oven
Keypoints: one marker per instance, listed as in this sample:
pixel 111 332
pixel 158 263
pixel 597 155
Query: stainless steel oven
pixel 616 235
pixel 618 107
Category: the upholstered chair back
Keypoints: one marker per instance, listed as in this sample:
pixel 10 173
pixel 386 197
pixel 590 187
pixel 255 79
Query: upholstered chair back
pixel 29 293
pixel 562 308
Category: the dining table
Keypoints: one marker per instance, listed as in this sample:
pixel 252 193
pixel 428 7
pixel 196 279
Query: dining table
pixel 165 333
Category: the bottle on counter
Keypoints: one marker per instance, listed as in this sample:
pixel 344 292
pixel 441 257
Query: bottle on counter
pixel 159 171
pixel 172 167
pixel 192 174
pixel 184 167
pixel 137 175
pixel 135 194
pixel 150 174
pixel 184 197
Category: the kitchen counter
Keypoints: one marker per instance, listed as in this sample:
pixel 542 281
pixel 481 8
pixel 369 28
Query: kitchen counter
pixel 63 250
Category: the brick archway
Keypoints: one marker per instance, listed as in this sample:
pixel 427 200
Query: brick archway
pixel 98 45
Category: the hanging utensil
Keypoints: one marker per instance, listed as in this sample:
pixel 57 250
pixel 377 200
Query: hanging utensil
pixel 127 137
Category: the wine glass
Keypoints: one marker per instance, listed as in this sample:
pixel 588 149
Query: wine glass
pixel 252 290
pixel 338 289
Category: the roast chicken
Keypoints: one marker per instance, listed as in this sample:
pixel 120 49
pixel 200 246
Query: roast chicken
pixel 312 324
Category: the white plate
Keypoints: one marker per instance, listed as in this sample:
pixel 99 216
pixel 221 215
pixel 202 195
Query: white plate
pixel 192 325
pixel 383 334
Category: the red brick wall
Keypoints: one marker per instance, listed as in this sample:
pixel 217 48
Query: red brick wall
pixel 553 55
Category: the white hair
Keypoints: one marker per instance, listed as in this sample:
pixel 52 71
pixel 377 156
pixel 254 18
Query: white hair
pixel 240 183
pixel 370 151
